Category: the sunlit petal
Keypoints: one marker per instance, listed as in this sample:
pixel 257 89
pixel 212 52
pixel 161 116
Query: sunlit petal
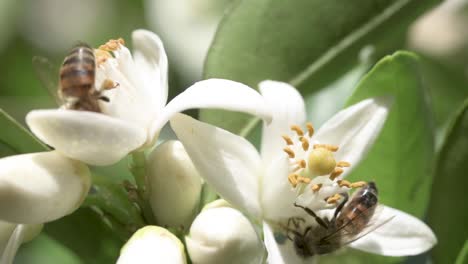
pixel 216 93
pixel 354 129
pixel 404 235
pixel 288 109
pixel 226 161
pixel 93 138
pixel 151 62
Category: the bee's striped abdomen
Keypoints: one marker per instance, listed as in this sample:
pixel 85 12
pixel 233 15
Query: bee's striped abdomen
pixel 78 72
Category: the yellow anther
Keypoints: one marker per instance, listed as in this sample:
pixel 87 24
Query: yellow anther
pixel 316 187
pixel 343 164
pixel 337 172
pixel 302 163
pixel 108 84
pixel 321 162
pixel 292 178
pixel 101 56
pixel 290 152
pixel 297 129
pixel 310 129
pixel 305 143
pixel 344 183
pixel 333 199
pixel 287 139
pixel 358 184
pixel 112 45
pixel 331 148
pixel 303 179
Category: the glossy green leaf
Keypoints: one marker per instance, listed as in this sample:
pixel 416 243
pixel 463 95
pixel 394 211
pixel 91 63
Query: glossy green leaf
pixel 447 214
pixel 33 252
pixel 305 42
pixel 400 161
pixel 15 139
pixel 84 233
pixel 463 255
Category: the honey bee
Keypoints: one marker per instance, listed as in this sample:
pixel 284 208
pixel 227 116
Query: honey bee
pixel 350 221
pixel 76 87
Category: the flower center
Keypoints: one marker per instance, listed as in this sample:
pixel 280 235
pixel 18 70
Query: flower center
pixel 313 165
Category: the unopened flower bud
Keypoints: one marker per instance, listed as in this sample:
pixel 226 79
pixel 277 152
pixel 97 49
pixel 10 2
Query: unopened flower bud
pixel 174 185
pixel 152 244
pixel 41 187
pixel 223 235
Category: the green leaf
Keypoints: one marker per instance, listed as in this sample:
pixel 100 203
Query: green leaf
pixel 400 161
pixel 305 42
pixel 85 235
pixel 33 252
pixel 463 255
pixel 447 214
pixel 15 139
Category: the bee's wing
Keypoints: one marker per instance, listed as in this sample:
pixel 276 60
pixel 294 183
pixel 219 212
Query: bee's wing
pixel 349 237
pixel 47 75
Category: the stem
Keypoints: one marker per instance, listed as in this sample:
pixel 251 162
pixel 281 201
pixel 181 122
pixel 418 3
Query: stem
pixel 138 170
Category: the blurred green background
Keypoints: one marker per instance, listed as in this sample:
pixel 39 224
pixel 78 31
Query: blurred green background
pixel 50 27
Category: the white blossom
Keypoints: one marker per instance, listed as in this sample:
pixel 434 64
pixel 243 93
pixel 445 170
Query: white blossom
pixel 297 161
pixel 137 107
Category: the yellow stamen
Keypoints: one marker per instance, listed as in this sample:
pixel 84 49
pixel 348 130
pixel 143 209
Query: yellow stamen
pixel 305 143
pixel 292 178
pixel 358 184
pixel 303 179
pixel 337 172
pixel 290 152
pixel 316 187
pixel 298 130
pixel 287 139
pixel 331 148
pixel 101 56
pixel 108 84
pixel 302 163
pixel 343 164
pixel 310 129
pixel 112 45
pixel 344 183
pixel 333 199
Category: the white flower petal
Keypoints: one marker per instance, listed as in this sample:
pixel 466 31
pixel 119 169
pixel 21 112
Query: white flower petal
pixel 404 235
pixel 152 244
pixel 6 229
pixel 93 138
pixel 278 196
pixel 226 161
pixel 225 234
pixel 41 187
pixel 13 245
pixel 287 108
pixel 216 93
pixel 151 62
pixel 354 129
pixel 280 253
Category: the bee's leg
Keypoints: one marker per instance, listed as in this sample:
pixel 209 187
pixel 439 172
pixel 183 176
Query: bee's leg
pixel 310 212
pixel 340 207
pixel 295 221
pixel 104 98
